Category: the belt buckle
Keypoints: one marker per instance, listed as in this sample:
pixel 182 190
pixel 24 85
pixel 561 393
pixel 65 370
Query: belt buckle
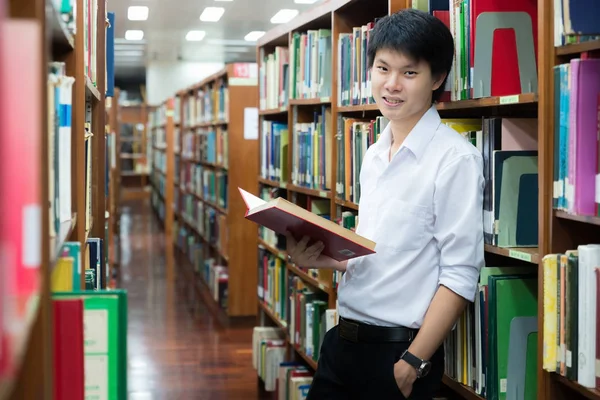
pixel 349 330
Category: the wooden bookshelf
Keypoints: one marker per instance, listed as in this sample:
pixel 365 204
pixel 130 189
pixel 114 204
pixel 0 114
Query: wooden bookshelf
pixel 133 151
pixel 113 214
pixel 55 43
pixel 558 230
pixel 561 228
pixel 213 133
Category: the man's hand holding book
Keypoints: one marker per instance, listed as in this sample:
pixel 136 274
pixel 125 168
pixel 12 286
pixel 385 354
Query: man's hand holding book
pixel 309 256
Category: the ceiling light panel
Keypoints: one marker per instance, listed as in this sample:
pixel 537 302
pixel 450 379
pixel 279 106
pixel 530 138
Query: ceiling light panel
pixel 134 35
pixel 253 36
pixel 195 36
pixel 283 16
pixel 212 14
pixel 305 1
pixel 137 13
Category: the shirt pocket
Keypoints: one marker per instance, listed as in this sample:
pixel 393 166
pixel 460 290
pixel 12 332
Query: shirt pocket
pixel 402 226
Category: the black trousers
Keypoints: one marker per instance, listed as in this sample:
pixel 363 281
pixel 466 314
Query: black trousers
pixel 355 371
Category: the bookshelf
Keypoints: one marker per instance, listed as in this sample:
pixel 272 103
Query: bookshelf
pixel 133 147
pixel 113 215
pixel 288 111
pixel 62 176
pixel 217 143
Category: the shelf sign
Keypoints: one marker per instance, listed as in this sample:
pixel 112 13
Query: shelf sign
pixel 245 70
pixel 509 99
pixel 519 255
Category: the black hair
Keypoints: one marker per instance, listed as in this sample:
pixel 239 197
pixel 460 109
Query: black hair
pixel 418 35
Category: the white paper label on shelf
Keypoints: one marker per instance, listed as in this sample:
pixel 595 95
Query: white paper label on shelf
pixel 509 99
pixel 32 236
pixel 251 123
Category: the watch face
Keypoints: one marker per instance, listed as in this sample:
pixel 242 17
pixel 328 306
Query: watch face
pixel 424 369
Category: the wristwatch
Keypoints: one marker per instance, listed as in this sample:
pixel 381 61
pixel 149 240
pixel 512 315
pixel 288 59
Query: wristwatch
pixel 421 366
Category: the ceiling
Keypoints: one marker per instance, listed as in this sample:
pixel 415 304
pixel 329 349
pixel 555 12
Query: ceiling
pixel 170 20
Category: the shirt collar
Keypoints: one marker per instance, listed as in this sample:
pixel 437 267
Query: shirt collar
pixel 417 139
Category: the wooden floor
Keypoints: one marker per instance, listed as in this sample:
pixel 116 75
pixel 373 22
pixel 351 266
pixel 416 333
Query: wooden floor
pixel 175 354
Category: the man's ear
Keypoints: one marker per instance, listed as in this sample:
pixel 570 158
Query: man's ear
pixel 437 83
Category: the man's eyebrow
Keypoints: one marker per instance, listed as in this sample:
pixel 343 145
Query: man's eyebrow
pixel 409 65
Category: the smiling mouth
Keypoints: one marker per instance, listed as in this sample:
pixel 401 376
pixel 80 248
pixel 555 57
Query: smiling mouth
pixel 392 102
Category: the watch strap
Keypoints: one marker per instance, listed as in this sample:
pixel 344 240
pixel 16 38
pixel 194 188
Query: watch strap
pixel 412 360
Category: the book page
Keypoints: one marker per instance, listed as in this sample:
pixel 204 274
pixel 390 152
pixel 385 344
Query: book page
pixel 250 199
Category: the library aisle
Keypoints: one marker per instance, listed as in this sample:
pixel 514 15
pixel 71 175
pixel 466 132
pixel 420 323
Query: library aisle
pixel 175 352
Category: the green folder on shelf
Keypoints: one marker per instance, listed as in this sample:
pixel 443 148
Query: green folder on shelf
pixel 105 338
pixel 512 297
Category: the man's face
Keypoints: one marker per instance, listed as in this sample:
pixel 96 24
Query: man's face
pixel 401 86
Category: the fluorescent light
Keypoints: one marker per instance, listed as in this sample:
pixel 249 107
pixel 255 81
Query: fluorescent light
pixel 194 36
pixel 305 1
pixel 137 13
pixel 129 53
pixel 134 35
pixel 212 14
pixel 254 36
pixel 283 16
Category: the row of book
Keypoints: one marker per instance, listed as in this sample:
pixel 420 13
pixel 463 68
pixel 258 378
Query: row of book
pixel 206 269
pixel 205 183
pixel 353 138
pixel 571 310
pixel 207 145
pixel 480 50
pixel 288 380
pixel 510 169
pixel 205 220
pixel 205 105
pixel 576 141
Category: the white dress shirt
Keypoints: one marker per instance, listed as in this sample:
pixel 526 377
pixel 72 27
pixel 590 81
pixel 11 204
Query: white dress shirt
pixel 424 209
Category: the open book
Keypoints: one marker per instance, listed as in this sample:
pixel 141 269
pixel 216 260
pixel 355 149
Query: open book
pixel 281 215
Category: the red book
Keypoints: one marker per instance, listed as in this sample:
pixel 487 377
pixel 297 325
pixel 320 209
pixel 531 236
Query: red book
pixel 280 216
pixel 69 358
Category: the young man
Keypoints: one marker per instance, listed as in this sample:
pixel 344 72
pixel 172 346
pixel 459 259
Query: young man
pixel 421 202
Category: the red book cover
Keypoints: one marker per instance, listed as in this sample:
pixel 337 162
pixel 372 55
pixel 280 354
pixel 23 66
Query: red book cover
pixel 20 179
pixel 69 374
pixel 280 216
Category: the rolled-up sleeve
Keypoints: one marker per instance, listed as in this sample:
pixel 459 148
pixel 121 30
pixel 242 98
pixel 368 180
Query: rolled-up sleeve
pixel 458 203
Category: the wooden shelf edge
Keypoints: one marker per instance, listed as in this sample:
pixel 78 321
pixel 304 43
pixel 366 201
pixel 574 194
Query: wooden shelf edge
pixel 495 101
pixel 273 111
pixel 268 182
pixel 57 242
pixel 277 253
pixel 528 254
pixel 587 219
pixel 573 49
pixel 309 279
pixel 347 204
pixel 357 108
pixel 310 102
pixel 324 194
pixel 460 389
pixel 272 316
pixel 592 394
pixel 91 88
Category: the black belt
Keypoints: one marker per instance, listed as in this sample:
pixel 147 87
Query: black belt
pixel 360 332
